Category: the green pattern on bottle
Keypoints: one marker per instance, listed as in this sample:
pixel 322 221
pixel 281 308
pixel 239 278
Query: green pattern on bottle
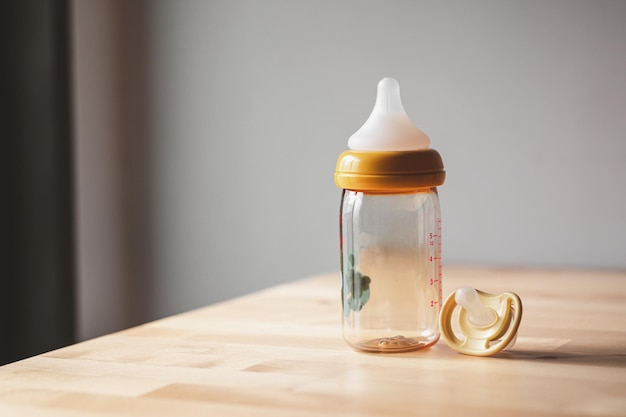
pixel 356 288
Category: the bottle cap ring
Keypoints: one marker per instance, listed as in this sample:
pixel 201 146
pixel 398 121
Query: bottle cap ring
pixel 487 323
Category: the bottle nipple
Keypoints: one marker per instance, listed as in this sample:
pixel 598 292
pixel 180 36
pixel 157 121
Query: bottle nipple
pixel 388 128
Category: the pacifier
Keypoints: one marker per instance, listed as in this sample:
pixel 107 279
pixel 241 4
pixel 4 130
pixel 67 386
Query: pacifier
pixel 476 323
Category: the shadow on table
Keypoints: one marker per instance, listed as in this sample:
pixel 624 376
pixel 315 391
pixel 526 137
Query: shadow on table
pixel 595 358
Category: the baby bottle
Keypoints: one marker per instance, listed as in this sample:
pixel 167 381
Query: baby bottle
pixel 390 231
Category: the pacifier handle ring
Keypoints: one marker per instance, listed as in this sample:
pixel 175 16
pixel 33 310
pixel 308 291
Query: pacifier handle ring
pixel 502 331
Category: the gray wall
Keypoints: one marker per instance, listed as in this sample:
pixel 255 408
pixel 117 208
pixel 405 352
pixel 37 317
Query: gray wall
pixel 226 117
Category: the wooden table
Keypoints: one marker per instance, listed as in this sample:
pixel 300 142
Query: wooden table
pixel 279 352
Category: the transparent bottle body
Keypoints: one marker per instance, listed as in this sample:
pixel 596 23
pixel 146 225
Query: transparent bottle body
pixel 390 269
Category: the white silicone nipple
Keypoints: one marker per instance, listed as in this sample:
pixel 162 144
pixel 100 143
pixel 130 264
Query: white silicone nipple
pixel 479 314
pixel 388 127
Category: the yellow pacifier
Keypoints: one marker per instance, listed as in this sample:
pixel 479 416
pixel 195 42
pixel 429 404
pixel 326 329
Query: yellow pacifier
pixel 487 323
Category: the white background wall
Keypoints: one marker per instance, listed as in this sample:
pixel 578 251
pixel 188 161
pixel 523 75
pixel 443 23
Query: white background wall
pixel 207 135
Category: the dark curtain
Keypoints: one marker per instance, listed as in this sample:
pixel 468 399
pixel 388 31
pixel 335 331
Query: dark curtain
pixel 37 305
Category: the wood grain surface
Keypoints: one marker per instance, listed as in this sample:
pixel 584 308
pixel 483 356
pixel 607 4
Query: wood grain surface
pixel 279 352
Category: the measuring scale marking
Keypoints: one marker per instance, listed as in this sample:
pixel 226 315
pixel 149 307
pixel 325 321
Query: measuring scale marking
pixel 434 242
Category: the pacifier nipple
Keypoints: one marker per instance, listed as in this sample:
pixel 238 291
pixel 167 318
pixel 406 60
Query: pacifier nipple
pixel 485 323
pixel 388 127
pixel 479 315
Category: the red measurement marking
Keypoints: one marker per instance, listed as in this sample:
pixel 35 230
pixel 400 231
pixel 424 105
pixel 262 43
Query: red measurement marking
pixel 433 303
